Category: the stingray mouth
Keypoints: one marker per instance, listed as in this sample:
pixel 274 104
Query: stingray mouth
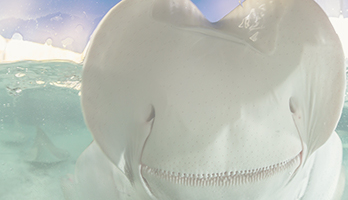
pixel 226 178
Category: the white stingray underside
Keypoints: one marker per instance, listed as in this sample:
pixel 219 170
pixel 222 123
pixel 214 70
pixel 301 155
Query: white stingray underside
pixel 194 109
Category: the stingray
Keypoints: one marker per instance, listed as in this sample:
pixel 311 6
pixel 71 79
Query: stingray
pixel 182 108
pixel 43 151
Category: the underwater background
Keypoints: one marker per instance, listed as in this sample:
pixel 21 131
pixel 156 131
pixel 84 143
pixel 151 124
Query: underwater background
pixel 39 97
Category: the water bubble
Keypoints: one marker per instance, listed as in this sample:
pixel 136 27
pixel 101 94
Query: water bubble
pixel 17 36
pixel 19 75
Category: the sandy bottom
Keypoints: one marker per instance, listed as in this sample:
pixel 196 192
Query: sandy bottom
pixel 23 180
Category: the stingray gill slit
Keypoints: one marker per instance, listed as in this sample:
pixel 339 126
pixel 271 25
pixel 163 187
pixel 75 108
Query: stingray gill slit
pixel 223 178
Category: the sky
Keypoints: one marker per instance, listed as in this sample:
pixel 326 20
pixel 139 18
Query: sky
pixel 212 9
pixel 69 23
pixel 31 9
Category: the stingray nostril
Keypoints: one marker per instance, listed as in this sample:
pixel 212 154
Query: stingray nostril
pixel 291 105
pixel 152 114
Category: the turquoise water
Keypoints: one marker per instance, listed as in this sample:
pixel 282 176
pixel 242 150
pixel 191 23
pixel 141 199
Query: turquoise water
pixel 39 95
pixel 342 130
pixel 40 108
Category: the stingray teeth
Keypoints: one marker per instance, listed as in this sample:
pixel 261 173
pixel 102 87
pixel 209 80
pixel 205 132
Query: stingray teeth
pixel 221 178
